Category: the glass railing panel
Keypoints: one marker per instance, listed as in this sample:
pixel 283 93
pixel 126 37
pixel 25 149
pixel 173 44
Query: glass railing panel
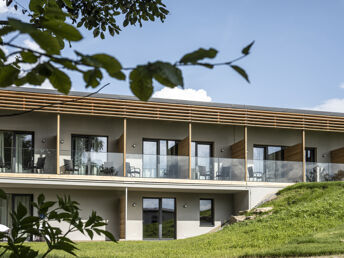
pixel 157 166
pixel 91 163
pixel 27 160
pixel 323 172
pixel 274 171
pixel 205 168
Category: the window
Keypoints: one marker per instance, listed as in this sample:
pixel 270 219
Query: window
pixel 206 214
pixel 310 154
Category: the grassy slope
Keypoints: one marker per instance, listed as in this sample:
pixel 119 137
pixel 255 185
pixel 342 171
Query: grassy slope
pixel 308 220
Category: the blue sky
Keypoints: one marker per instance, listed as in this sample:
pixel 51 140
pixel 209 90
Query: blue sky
pixel 297 61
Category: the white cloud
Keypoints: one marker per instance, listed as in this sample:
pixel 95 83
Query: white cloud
pixel 332 105
pixel 341 85
pixel 184 94
pixel 45 85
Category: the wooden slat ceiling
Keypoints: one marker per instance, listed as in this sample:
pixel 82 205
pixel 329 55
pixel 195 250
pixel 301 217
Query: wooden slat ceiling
pixel 21 101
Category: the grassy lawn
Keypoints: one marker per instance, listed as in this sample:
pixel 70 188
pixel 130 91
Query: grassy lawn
pixel 308 219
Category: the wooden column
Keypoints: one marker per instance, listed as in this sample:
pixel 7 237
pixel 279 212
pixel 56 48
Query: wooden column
pixel 245 162
pixel 124 146
pixel 304 155
pixel 190 140
pixel 58 144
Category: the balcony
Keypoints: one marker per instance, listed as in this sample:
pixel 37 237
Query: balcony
pixel 322 172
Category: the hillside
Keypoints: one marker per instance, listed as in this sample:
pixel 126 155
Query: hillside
pixel 308 219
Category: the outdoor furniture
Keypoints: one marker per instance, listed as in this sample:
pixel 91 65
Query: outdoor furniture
pixel 108 169
pixel 256 176
pixel 3 165
pixel 224 174
pixel 69 167
pixel 172 171
pixel 39 167
pixel 202 170
pixel 132 171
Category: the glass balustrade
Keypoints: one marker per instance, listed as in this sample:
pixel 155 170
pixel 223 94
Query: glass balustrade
pixel 205 168
pixel 274 171
pixel 91 163
pixel 322 172
pixel 27 160
pixel 157 166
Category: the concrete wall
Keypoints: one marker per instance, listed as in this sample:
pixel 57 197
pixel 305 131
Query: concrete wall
pixel 325 142
pixel 188 224
pixel 105 203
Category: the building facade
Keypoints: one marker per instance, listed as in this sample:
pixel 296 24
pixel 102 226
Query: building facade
pixel 160 169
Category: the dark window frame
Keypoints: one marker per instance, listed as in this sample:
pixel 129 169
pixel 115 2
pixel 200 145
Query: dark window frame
pixel 266 146
pixel 212 223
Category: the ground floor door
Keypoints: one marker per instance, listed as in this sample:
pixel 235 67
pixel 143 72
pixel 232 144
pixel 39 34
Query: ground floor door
pixel 159 218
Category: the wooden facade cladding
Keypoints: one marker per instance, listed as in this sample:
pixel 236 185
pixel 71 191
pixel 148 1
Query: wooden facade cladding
pixel 238 150
pixel 337 156
pixel 22 101
pixel 294 153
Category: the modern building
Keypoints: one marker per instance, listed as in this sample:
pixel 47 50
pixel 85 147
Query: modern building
pixel 162 169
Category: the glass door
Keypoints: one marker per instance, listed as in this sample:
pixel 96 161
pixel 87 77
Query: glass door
pixel 159 218
pixel 150 158
pixel 202 162
pixel 89 153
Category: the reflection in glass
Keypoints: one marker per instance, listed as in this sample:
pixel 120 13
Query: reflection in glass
pixel 150 218
pixel 168 218
pixel 206 212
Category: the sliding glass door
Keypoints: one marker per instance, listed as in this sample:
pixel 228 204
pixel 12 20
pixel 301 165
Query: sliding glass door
pixel 158 160
pixel 159 218
pixel 16 152
pixel 201 162
pixel 89 153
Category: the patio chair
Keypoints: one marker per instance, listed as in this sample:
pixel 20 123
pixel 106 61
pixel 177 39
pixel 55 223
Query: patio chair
pixel 69 167
pixel 39 167
pixel 131 170
pixel 204 173
pixel 256 176
pixel 224 174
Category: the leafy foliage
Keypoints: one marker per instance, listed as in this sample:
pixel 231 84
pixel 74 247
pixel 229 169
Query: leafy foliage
pixel 64 210
pixel 52 24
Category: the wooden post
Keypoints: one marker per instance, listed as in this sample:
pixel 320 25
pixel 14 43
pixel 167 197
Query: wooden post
pixel 190 141
pixel 58 144
pixel 124 146
pixel 304 155
pixel 245 162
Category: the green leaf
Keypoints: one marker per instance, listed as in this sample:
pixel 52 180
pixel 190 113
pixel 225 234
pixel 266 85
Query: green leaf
pixel 3 194
pixel 92 77
pixel 90 233
pixel 45 69
pixel 21 211
pixel 241 71
pixel 63 30
pixel 246 50
pixel 167 74
pixel 141 82
pixel 28 57
pixel 60 81
pixel 46 42
pixel 207 65
pixel 34 78
pixel 194 57
pixel 8 74
pixel 109 63
pixel 2 55
pixel 23 27
pixel 36 6
pixel 6 30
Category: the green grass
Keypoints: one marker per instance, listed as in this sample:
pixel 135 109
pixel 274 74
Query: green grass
pixel 308 220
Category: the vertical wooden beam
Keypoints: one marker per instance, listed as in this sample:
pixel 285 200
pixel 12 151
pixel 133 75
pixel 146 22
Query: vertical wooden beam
pixel 126 213
pixel 58 144
pixel 304 155
pixel 190 141
pixel 245 162
pixel 124 146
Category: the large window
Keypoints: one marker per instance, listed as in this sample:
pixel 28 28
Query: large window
pixel 157 160
pixel 201 162
pixel 16 151
pixel 89 152
pixel 206 214
pixel 159 218
pixel 11 204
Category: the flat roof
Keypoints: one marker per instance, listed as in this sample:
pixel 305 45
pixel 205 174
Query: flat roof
pixel 176 101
